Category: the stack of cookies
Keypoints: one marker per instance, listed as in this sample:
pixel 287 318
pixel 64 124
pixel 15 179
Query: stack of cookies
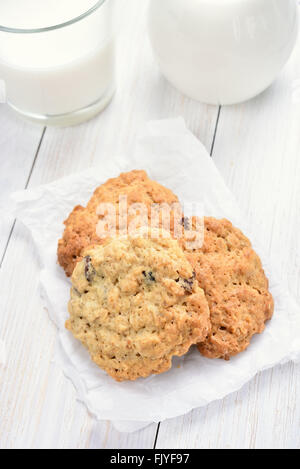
pixel 143 295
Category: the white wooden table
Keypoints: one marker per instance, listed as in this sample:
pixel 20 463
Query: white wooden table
pixel 256 147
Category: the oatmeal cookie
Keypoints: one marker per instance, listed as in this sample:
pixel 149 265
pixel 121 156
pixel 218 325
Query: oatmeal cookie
pixel 80 227
pixel 135 303
pixel 236 288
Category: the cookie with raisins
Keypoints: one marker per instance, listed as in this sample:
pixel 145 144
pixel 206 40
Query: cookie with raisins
pixel 235 285
pixel 135 303
pixel 81 225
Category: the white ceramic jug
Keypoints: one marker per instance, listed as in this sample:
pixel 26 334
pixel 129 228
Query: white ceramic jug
pixel 222 51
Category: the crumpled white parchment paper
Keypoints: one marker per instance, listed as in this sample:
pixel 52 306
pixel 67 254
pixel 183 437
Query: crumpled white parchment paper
pixel 174 157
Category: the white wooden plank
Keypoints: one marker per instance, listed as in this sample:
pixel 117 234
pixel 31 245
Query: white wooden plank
pixel 18 145
pixel 257 150
pixel 39 407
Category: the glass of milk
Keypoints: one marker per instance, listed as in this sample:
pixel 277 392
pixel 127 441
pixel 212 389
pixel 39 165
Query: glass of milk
pixel 57 58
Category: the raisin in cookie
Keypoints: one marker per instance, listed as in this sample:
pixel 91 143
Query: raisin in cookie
pixel 236 288
pixel 81 225
pixel 135 303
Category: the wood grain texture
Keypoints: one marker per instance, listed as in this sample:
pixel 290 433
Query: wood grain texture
pixel 39 407
pixel 18 145
pixel 257 150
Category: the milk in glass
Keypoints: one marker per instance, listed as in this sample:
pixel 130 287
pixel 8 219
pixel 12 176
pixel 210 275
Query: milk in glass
pixel 61 75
